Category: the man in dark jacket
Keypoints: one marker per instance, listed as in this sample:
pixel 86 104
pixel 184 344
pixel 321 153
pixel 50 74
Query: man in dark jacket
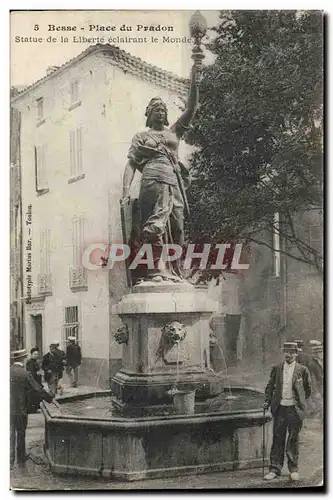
pixel 21 383
pixel 317 376
pixel 60 354
pixel 50 365
pixel 287 389
pixel 33 366
pixel 74 357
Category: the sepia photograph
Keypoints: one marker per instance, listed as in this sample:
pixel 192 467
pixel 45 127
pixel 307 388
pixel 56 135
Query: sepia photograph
pixel 166 250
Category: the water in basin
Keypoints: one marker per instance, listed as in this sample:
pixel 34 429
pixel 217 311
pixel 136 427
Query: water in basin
pixel 103 407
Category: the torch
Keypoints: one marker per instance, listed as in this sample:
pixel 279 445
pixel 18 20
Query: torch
pixel 198 28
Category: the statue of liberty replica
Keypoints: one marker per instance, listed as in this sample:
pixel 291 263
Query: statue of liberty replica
pixel 162 202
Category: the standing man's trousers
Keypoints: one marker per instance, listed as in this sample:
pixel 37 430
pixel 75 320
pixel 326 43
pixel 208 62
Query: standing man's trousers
pixel 18 425
pixel 285 419
pixel 73 374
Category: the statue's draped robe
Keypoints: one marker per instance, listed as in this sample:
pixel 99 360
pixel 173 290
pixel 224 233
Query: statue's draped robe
pixel 162 197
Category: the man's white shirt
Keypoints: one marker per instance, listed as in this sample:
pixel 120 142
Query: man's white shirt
pixel 287 386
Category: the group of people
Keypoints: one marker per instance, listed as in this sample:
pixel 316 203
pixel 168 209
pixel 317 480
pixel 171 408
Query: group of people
pixel 56 361
pixel 27 390
pixel 53 364
pixel 297 379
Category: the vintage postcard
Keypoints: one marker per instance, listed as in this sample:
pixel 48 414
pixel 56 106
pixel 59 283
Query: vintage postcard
pixel 166 229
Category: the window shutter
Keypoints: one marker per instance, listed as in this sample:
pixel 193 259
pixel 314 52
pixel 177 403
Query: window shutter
pixel 79 151
pixel 72 153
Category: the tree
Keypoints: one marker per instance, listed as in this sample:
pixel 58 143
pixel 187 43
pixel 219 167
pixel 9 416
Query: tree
pixel 258 131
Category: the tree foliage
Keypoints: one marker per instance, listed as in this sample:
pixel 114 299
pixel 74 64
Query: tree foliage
pixel 258 131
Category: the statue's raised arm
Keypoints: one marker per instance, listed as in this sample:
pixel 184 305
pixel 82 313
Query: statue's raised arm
pixel 180 126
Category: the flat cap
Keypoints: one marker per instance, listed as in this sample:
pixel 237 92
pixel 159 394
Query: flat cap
pixel 315 342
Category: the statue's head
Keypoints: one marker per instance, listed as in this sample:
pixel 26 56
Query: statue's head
pixel 157 112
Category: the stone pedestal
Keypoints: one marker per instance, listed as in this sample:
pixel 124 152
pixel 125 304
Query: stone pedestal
pixel 153 315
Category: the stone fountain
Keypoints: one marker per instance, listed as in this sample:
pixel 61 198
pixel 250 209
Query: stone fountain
pixel 135 431
pixel 167 413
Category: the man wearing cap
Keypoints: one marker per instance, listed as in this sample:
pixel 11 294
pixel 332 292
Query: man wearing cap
pixel 287 389
pixel 316 371
pixel 74 357
pixel 318 354
pixel 317 366
pixel 21 383
pixel 317 375
pixel 302 357
pixel 50 365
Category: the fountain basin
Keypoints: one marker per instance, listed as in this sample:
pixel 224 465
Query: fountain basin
pixel 219 436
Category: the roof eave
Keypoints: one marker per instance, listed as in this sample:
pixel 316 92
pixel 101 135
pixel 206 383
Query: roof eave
pixel 94 49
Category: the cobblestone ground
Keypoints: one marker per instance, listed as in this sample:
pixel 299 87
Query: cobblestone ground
pixel 37 476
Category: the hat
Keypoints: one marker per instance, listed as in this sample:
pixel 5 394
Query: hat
pixel 300 343
pixel 20 354
pixel 71 339
pixel 315 342
pixel 54 343
pixel 290 346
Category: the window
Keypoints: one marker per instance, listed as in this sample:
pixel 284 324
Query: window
pixel 76 163
pixel 276 246
pixel 74 92
pixel 40 109
pixel 40 168
pixel 71 326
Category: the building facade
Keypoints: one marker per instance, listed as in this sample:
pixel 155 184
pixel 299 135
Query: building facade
pixel 76 127
pixel 16 284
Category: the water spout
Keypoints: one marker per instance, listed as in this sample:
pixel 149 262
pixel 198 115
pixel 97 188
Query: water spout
pixel 99 373
pixel 101 367
pixel 230 396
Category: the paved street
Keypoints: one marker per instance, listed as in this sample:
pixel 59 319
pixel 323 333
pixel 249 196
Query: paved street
pixel 37 475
